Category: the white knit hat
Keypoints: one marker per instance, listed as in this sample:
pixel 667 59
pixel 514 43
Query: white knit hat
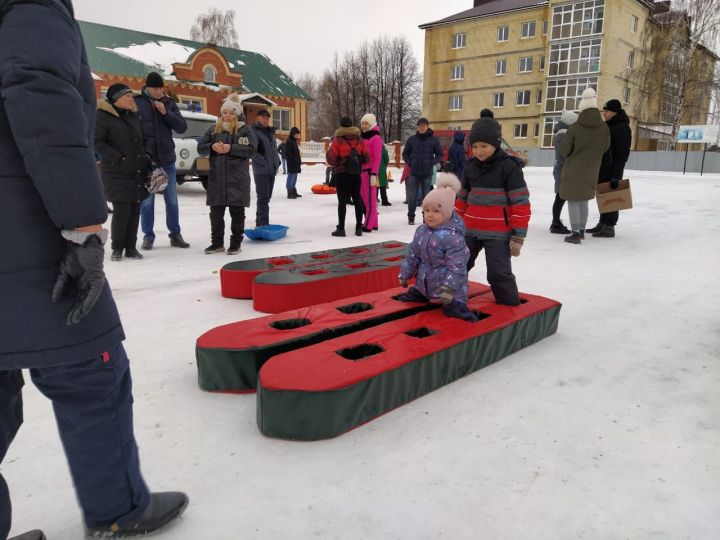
pixel 568 117
pixel 369 118
pixel 588 100
pixel 442 198
pixel 232 103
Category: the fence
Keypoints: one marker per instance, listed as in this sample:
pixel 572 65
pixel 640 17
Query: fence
pixel 312 152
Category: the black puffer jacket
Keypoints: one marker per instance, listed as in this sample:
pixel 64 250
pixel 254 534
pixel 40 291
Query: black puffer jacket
pixel 158 128
pixel 267 160
pixel 123 162
pixel 613 161
pixel 422 152
pixel 229 179
pixel 292 153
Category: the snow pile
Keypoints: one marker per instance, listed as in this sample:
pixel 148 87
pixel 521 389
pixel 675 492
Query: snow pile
pixel 160 55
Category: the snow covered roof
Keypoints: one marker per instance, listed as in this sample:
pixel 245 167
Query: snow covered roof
pixel 128 52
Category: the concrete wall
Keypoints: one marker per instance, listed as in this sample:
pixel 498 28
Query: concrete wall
pixel 642 161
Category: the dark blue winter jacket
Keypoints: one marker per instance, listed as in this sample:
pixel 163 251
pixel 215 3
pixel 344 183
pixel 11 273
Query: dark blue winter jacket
pixel 158 128
pixel 267 159
pixel 422 152
pixel 49 181
pixel 456 154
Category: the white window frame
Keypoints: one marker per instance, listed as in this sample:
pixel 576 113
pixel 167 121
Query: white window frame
pixel 459 40
pixel 634 20
pixel 541 63
pixel 278 114
pixel 626 95
pixel 523 66
pixel 505 29
pixel 518 131
pixel 498 64
pixel 212 69
pixel 575 58
pixel 631 59
pixel 536 130
pixel 578 20
pixel 565 93
pixel 457 73
pixel 525 29
pixel 455 103
pixel 522 98
pixel 548 132
pixel 192 100
pixel 544 27
pixel 538 96
pixel 498 100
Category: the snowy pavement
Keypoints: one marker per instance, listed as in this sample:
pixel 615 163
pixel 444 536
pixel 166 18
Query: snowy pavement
pixel 609 429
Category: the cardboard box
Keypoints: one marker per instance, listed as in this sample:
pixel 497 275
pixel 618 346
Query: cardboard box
pixel 612 200
pixel 202 164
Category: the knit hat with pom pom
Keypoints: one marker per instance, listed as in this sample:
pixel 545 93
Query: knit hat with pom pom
pixel 442 198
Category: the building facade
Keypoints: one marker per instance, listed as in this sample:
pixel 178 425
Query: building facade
pixel 528 60
pixel 198 76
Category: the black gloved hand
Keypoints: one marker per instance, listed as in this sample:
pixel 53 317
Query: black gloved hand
pixel 614 183
pixel 81 272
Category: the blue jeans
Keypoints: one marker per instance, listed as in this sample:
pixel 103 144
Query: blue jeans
pixel 418 187
pixel 284 165
pixel 291 181
pixel 172 210
pixel 92 401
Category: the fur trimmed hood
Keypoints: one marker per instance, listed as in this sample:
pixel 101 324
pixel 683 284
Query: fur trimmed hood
pixel 351 131
pixel 107 107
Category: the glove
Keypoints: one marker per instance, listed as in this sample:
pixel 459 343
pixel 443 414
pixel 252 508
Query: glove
pixel 614 183
pixel 81 273
pixel 403 282
pixel 516 244
pixel 446 295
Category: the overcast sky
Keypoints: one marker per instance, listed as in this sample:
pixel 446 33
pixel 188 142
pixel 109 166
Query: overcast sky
pixel 300 36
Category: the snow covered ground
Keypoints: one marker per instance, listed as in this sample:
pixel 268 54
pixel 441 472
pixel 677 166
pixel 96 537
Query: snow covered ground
pixel 608 429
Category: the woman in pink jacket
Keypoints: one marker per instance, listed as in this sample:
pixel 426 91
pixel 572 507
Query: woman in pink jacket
pixel 369 178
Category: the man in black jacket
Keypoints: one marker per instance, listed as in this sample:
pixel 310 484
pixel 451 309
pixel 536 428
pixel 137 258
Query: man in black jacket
pixel 160 115
pixel 57 315
pixel 613 161
pixel 422 152
pixel 265 165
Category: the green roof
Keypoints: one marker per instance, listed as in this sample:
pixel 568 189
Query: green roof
pixel 128 52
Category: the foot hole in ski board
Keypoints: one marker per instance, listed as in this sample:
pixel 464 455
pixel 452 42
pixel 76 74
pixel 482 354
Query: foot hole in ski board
pixel 289 324
pixel 360 352
pixel 357 307
pixel 523 300
pixel 359 250
pixel 480 315
pixel 392 245
pixel 280 261
pixel 421 332
pixel 322 256
pixel 314 272
pixel 357 265
pixel 393 259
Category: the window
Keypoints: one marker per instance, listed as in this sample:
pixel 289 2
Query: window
pixel 520 131
pixel 209 74
pixel 542 62
pixel 633 24
pixel 103 92
pixel 544 27
pixel 523 97
pixel 631 59
pixel 281 119
pixel 527 29
pixel 538 96
pixel 565 93
pixel 626 95
pixel 455 128
pixel 499 99
pixel 455 103
pixel 525 64
pixel 459 41
pixel 457 73
pixel 576 20
pixel 503 33
pixel 548 138
pixel 576 57
pixel 500 67
pixel 536 130
pixel 192 103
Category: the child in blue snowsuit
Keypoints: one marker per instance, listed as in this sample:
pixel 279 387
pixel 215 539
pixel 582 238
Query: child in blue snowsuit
pixel 438 254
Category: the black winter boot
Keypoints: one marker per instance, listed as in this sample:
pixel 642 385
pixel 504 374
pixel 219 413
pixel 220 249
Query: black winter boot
pixel 338 232
pixel 574 238
pixel 31 535
pixel 176 240
pixel 164 508
pixel 297 195
pixel 358 230
pixel 116 255
pixel 234 248
pixel 558 227
pixel 607 231
pixel 595 229
pixel 291 194
pixel 133 254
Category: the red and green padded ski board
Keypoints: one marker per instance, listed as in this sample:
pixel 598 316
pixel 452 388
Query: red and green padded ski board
pixel 230 356
pixel 236 278
pixel 324 390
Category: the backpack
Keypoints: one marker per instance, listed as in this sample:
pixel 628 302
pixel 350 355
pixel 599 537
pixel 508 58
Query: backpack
pixel 353 164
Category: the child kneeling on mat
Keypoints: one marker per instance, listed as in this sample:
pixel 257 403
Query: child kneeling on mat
pixel 438 255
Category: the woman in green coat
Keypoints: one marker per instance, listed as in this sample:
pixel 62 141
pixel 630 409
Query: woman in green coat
pixel 584 144
pixel 382 176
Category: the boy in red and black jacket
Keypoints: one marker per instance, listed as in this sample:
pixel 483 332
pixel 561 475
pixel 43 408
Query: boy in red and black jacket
pixel 494 202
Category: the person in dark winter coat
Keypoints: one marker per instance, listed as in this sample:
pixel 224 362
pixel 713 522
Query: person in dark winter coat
pixel 494 202
pixel 57 316
pixel 422 152
pixel 231 144
pixel 456 154
pixel 160 116
pixel 383 176
pixel 265 165
pixel 294 161
pixel 281 153
pixel 567 118
pixel 347 138
pixel 584 144
pixel 438 255
pixel 124 166
pixel 612 168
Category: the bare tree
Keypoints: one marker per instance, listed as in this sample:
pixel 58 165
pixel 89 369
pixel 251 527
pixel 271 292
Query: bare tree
pixel 216 27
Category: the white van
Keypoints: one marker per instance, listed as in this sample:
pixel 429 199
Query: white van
pixel 190 166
